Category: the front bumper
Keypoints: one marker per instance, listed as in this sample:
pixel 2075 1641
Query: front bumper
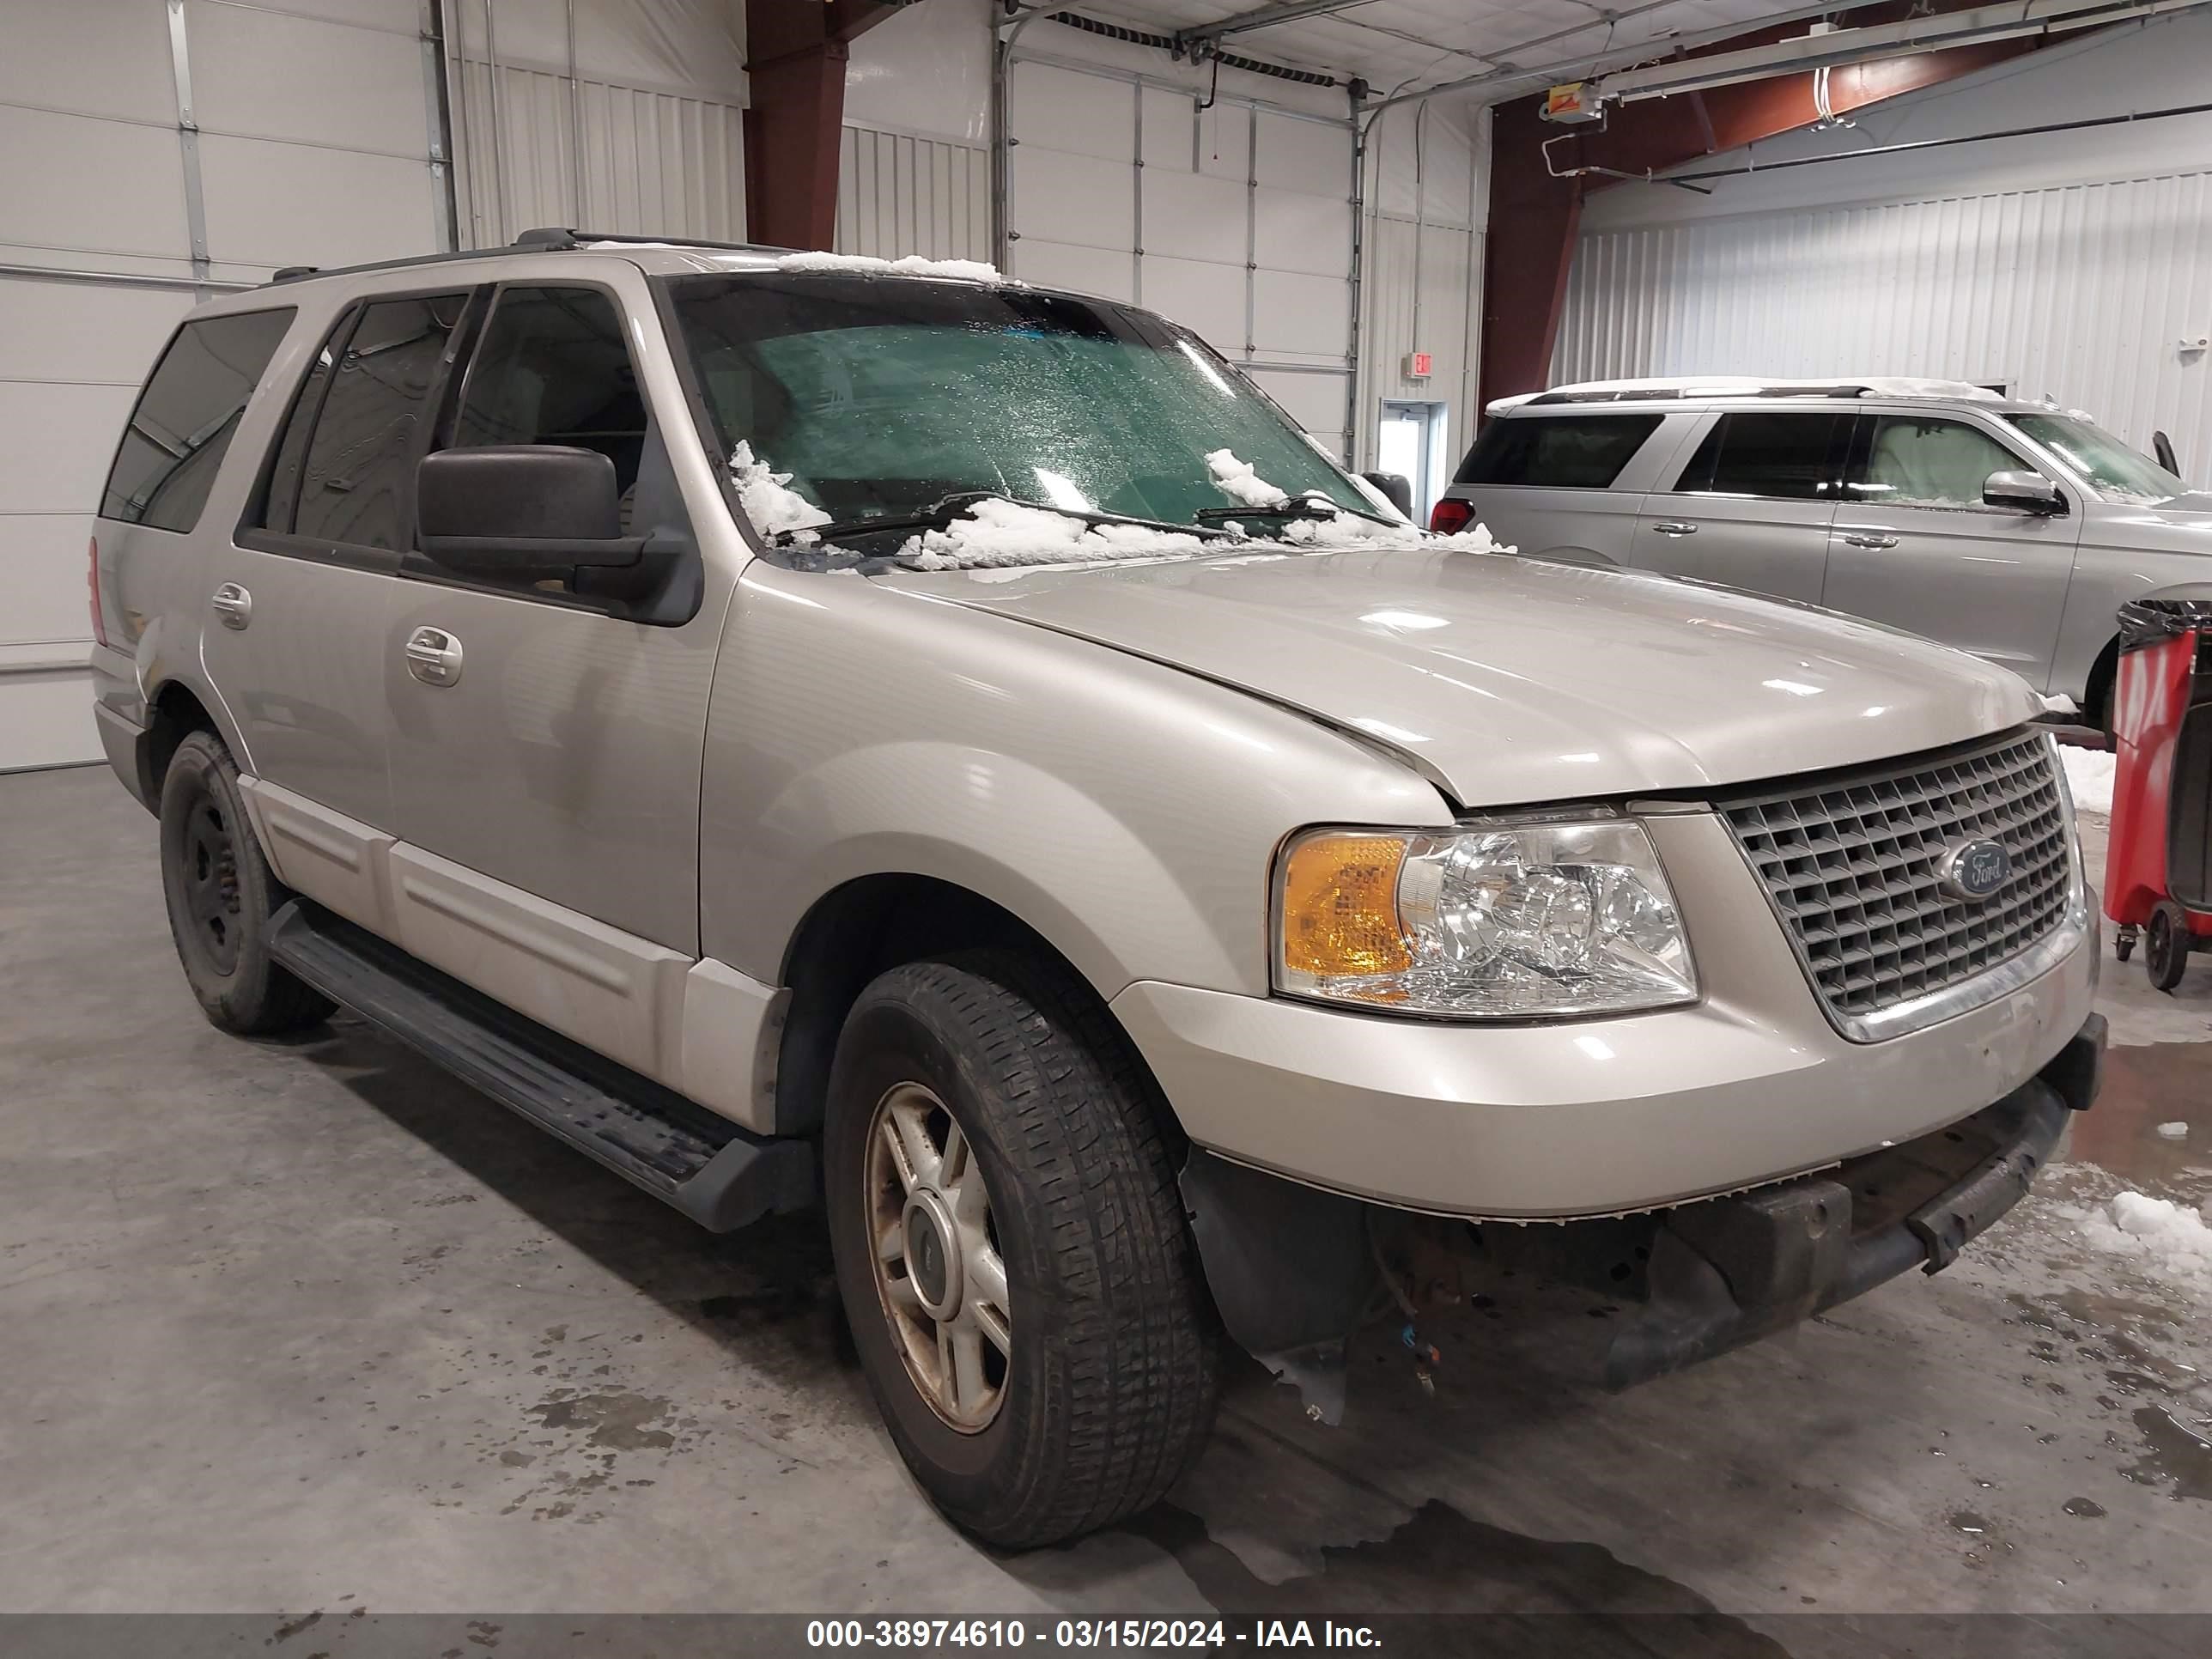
pixel 1563 1120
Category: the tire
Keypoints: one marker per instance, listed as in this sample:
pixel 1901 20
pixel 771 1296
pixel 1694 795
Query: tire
pixel 1105 1390
pixel 2166 944
pixel 2124 944
pixel 221 895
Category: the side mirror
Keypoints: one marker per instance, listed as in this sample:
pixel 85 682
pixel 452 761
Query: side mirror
pixel 2161 449
pixel 521 510
pixel 1396 487
pixel 2023 492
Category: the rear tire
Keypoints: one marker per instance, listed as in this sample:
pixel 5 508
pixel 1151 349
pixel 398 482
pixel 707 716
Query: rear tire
pixel 1000 1067
pixel 221 894
pixel 2166 944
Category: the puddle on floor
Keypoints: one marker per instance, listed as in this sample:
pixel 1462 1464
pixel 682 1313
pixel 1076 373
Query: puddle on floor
pixel 2177 1454
pixel 2145 1086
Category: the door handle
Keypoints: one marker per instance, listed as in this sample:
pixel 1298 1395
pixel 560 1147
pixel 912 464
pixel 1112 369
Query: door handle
pixel 233 603
pixel 1868 538
pixel 433 656
pixel 1674 528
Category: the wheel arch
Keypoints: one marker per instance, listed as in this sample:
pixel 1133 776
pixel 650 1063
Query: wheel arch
pixel 867 926
pixel 174 711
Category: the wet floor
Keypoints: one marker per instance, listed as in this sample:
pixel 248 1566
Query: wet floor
pixel 310 1327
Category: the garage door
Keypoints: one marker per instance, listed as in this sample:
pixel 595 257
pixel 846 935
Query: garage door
pixel 153 153
pixel 1236 219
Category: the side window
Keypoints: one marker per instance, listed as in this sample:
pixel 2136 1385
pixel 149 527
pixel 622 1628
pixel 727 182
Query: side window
pixel 1914 460
pixel 351 478
pixel 181 426
pixel 1557 452
pixel 553 369
pixel 1779 456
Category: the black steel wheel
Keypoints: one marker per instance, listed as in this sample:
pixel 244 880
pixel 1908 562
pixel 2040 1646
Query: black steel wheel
pixel 2166 944
pixel 220 893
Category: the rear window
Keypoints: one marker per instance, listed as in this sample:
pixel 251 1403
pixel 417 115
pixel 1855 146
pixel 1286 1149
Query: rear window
pixel 182 424
pixel 1779 456
pixel 1557 452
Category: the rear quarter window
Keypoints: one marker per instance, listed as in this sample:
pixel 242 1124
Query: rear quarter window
pixel 181 426
pixel 1557 452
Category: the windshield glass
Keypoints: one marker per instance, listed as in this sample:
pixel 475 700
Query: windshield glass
pixel 2115 471
pixel 882 397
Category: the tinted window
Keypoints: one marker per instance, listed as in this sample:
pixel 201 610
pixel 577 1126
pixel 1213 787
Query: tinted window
pixel 1558 451
pixel 1785 457
pixel 552 369
pixel 356 480
pixel 1914 460
pixel 174 443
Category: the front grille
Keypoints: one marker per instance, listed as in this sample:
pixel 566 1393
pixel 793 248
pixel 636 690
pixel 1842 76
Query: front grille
pixel 1849 862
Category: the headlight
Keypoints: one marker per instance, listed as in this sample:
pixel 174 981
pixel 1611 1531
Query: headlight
pixel 1508 920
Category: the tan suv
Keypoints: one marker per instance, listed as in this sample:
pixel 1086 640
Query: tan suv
pixel 807 731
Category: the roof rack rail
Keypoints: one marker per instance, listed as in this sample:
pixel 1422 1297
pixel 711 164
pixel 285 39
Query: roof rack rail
pixel 543 239
pixel 1688 389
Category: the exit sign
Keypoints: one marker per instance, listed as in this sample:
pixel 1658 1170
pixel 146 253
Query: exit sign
pixel 1419 365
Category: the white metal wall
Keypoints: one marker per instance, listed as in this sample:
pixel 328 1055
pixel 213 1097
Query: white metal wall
pixel 2074 267
pixel 152 151
pixel 902 193
pixel 650 93
pixel 1235 220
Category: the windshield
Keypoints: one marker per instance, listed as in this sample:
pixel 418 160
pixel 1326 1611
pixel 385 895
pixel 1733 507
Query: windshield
pixel 882 398
pixel 2115 471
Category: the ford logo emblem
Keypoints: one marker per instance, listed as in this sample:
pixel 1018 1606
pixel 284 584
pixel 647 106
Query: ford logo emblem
pixel 1973 869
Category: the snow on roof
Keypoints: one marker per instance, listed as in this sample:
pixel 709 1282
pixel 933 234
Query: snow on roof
pixel 913 265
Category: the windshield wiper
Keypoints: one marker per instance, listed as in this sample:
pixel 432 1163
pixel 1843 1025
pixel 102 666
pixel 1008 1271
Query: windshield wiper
pixel 940 514
pixel 1298 507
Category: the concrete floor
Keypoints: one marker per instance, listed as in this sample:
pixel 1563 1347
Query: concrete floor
pixel 308 1326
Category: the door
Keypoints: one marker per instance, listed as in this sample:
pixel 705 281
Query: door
pixel 1752 507
pixel 540 742
pixel 293 639
pixel 1915 546
pixel 1411 442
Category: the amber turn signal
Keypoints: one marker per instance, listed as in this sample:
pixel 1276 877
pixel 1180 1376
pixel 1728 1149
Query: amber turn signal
pixel 1340 907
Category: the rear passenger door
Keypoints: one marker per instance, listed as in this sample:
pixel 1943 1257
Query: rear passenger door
pixel 1915 546
pixel 296 605
pixel 1752 507
pixel 1545 483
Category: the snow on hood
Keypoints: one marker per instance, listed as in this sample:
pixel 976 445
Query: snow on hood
pixel 913 265
pixel 768 500
pixel 995 533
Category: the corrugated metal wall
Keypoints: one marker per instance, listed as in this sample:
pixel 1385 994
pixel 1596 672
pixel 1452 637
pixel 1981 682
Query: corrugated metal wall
pixel 898 194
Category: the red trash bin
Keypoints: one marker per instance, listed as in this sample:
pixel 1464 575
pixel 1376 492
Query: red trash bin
pixel 2158 868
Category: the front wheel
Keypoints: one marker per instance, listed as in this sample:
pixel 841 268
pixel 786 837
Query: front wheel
pixel 2166 944
pixel 1012 1248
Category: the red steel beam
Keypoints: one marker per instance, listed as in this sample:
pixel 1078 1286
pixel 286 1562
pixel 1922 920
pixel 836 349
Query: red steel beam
pixel 796 52
pixel 1534 217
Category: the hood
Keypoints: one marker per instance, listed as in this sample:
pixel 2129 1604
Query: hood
pixel 1510 681
pixel 2183 525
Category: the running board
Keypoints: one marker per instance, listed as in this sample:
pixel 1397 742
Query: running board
pixel 722 1177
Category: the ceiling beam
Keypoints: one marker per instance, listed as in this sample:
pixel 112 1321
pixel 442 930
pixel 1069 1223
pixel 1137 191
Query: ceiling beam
pixel 1260 17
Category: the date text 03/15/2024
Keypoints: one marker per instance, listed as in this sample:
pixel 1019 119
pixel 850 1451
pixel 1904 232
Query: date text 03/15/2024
pixel 930 1634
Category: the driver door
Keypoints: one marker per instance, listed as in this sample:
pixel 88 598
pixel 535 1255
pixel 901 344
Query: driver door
pixel 545 751
pixel 1914 545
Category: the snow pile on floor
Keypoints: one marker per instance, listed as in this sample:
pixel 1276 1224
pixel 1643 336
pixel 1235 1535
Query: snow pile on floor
pixel 993 533
pixel 2165 1238
pixel 2089 776
pixel 1241 483
pixel 913 265
pixel 768 501
pixel 2173 1131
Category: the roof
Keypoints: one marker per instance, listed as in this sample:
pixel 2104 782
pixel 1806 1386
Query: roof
pixel 1715 388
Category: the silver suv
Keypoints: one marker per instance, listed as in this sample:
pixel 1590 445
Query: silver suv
pixel 808 732
pixel 2011 529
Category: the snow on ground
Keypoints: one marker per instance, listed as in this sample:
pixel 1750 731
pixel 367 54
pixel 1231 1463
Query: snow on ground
pixel 913 265
pixel 2089 776
pixel 767 500
pixel 1239 481
pixel 2168 1240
